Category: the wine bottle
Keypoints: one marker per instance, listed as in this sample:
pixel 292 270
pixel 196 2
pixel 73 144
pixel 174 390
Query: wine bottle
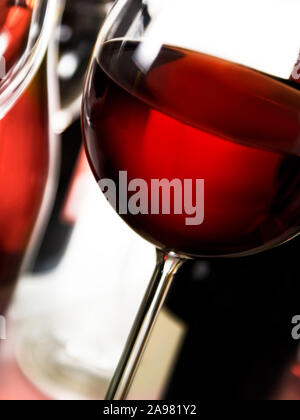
pixel 77 33
pixel 229 322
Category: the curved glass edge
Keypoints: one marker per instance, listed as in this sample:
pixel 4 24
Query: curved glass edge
pixel 18 79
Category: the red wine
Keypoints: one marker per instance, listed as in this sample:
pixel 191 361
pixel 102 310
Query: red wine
pixel 23 173
pixel 193 116
pixel 15 18
pixel 4 9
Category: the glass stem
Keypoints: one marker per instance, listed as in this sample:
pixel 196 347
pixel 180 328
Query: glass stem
pixel 166 267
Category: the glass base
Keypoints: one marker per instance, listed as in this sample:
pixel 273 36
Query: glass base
pixel 47 363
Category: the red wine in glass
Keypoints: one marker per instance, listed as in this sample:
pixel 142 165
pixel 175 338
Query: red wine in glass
pixel 4 8
pixel 23 174
pixel 15 19
pixel 194 116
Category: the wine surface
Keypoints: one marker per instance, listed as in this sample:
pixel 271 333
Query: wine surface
pixel 193 116
pixel 15 18
pixel 23 173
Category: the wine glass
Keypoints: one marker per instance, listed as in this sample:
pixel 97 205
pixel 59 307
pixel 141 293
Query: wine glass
pixel 25 27
pixel 191 126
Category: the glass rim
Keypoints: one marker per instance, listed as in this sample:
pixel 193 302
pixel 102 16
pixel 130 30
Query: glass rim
pixel 17 78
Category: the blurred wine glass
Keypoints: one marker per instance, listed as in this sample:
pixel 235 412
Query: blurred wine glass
pixel 25 28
